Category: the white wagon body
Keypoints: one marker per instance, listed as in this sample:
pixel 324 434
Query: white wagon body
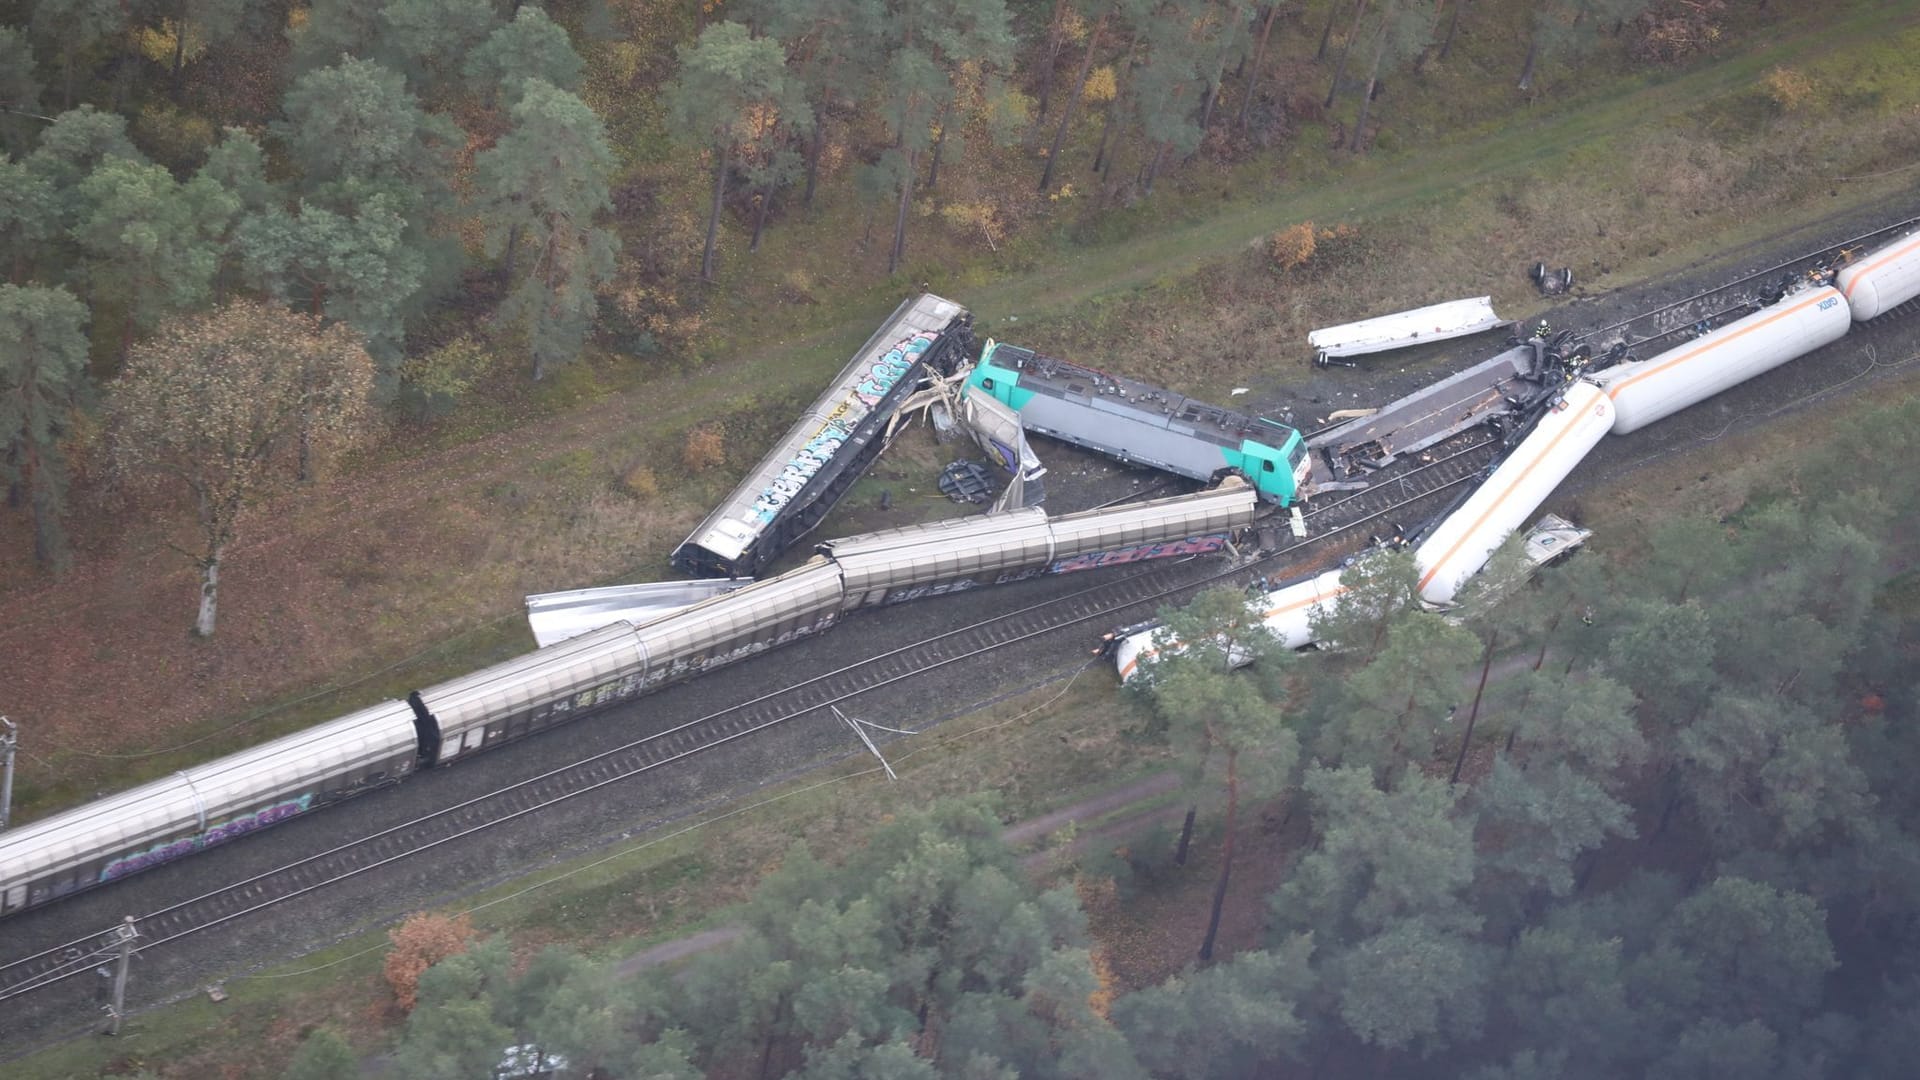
pixel 1656 388
pixel 1883 279
pixel 1468 537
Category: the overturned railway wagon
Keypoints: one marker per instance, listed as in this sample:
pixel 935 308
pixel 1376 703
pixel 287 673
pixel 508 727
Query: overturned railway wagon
pixel 794 486
pixel 1134 422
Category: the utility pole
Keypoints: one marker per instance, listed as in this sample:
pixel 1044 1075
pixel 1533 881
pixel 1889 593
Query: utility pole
pixel 8 737
pixel 117 1010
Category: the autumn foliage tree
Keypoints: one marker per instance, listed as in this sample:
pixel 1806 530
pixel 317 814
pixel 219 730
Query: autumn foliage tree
pixel 421 941
pixel 226 405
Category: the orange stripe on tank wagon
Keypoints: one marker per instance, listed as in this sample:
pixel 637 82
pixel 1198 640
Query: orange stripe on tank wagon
pixel 1572 425
pixel 1876 264
pixel 1613 391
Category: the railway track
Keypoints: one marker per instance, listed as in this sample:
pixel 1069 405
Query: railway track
pixel 1671 323
pixel 1108 600
pixel 1445 467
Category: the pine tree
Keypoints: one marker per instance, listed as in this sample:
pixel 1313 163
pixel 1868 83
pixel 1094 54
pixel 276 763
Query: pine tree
pixel 43 382
pixel 541 186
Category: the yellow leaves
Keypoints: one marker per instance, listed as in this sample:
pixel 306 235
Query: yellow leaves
pixel 1791 90
pixel 1295 246
pixel 977 216
pixel 219 400
pixel 1073 27
pixel 760 119
pixel 157 43
pixel 1101 999
pixel 705 448
pixel 1292 247
pixel 1102 85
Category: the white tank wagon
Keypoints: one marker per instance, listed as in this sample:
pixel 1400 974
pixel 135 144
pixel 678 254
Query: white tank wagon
pixel 199 807
pixel 1883 279
pixel 1469 536
pixel 1653 389
pixel 1287 613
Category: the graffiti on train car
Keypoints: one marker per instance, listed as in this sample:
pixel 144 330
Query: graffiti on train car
pixel 687 667
pixel 875 382
pixel 220 833
pixel 591 698
pixel 942 588
pixel 1192 545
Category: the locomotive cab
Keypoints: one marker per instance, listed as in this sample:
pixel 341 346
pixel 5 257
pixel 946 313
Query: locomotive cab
pixel 1279 472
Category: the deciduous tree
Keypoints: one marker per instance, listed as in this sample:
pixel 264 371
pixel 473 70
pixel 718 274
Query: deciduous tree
pixel 219 403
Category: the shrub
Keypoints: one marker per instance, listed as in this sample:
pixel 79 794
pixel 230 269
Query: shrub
pixel 1291 247
pixel 1673 30
pixel 432 383
pixel 1790 90
pixel 421 941
pixel 705 448
pixel 1294 247
pixel 641 482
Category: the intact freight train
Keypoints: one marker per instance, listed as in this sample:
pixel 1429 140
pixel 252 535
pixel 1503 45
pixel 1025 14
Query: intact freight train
pixel 208 804
pixel 1621 399
pixel 1134 422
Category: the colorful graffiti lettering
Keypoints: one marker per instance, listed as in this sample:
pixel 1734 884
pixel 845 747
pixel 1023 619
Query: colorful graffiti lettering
pixel 1193 545
pixel 220 833
pixel 875 383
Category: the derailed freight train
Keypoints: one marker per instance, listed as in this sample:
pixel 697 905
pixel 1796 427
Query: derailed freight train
pixel 1618 400
pixel 1137 423
pixel 205 805
pixel 807 472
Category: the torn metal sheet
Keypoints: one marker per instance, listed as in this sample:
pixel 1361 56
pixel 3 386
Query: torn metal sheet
pixel 1489 390
pixel 1552 537
pixel 1455 318
pixel 998 431
pixel 556 616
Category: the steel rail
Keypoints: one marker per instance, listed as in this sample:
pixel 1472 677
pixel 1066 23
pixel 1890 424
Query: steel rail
pixel 1103 600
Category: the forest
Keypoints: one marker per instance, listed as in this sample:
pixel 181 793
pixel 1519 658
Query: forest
pixel 1671 836
pixel 398 198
